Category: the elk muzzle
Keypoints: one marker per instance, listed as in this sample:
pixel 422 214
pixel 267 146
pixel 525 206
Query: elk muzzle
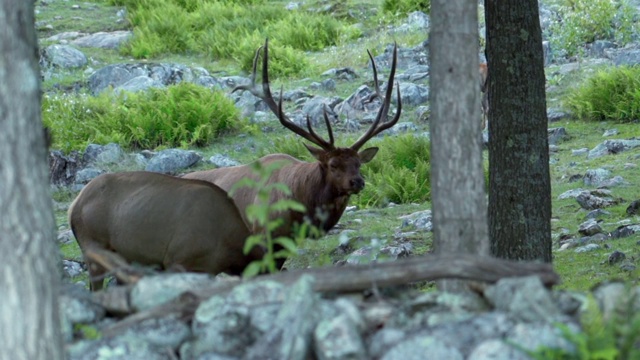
pixel 356 185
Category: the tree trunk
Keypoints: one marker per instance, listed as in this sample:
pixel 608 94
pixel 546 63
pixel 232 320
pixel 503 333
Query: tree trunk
pixel 457 179
pixel 519 182
pixel 29 312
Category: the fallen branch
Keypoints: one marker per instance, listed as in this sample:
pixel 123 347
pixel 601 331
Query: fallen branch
pixel 358 278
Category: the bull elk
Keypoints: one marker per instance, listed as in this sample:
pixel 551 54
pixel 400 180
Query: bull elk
pixel 156 219
pixel 323 186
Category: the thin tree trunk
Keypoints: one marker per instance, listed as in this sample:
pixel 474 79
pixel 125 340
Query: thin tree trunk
pixel 519 181
pixel 457 178
pixel 29 313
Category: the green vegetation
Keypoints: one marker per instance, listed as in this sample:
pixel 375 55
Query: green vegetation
pixel 262 212
pixel 400 172
pixel 180 115
pixel 231 30
pixel 404 7
pixel 601 339
pixel 582 22
pixel 610 94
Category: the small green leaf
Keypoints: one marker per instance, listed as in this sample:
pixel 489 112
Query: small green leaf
pixel 287 243
pixel 253 269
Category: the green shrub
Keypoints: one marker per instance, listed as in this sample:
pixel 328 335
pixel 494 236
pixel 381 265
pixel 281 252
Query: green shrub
pixel 399 173
pixel 583 21
pixel 180 115
pixel 612 94
pixel 404 7
pixel 230 30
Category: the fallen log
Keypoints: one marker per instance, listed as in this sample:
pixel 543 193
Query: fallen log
pixel 351 279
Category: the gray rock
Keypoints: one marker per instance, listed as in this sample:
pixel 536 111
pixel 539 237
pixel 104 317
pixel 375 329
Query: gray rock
pixel 556 135
pixel 65 237
pixel 420 220
pixel 291 335
pixel 595 177
pixel 151 291
pixel 171 161
pixel 383 340
pixel 590 200
pixel 523 298
pixel 627 57
pixel 533 336
pixel 418 345
pixel 496 349
pixel 139 83
pixel 589 227
pixel 119 348
pixel 412 94
pixel 612 147
pixel 338 338
pixel 71 268
pixel 164 332
pixel 103 154
pixel 616 257
pixel 62 56
pixel 580 152
pixel 104 40
pixel 570 194
pixel 221 161
pixel 587 248
pixel 87 174
pixel 555 115
pixel 77 305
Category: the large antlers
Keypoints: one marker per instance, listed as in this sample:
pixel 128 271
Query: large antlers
pixel 276 108
pixel 386 101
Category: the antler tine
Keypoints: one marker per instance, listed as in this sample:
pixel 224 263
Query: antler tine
pixel 276 108
pixel 325 144
pixel 252 87
pixel 386 103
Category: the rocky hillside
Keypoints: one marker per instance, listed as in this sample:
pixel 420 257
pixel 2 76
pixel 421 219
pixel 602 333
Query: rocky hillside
pixel 595 218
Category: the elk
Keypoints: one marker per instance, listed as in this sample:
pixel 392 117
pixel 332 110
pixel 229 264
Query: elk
pixel 484 88
pixel 156 219
pixel 323 186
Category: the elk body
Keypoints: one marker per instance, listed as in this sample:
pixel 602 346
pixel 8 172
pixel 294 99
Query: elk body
pixel 323 186
pixel 156 219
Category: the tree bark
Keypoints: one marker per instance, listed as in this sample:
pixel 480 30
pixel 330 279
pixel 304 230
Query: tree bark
pixel 457 178
pixel 29 312
pixel 519 180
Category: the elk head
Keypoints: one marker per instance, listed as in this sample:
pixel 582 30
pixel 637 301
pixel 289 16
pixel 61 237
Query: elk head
pixel 341 166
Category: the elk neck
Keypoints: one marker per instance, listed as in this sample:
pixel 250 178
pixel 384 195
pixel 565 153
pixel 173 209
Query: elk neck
pixel 309 186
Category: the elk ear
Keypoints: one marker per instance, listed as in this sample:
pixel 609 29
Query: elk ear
pixel 317 153
pixel 367 154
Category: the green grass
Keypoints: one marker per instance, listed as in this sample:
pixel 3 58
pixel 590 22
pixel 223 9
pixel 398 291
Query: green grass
pixel 611 94
pixel 180 115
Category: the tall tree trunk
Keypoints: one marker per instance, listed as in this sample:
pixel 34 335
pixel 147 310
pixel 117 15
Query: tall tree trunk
pixel 29 313
pixel 519 181
pixel 457 180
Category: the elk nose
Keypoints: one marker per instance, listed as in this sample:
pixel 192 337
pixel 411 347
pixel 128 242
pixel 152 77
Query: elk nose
pixel 357 183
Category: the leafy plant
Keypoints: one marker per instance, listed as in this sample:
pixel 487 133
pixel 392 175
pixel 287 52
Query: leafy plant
pixel 612 94
pixel 580 22
pixel 263 212
pixel 179 115
pixel 399 173
pixel 601 339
